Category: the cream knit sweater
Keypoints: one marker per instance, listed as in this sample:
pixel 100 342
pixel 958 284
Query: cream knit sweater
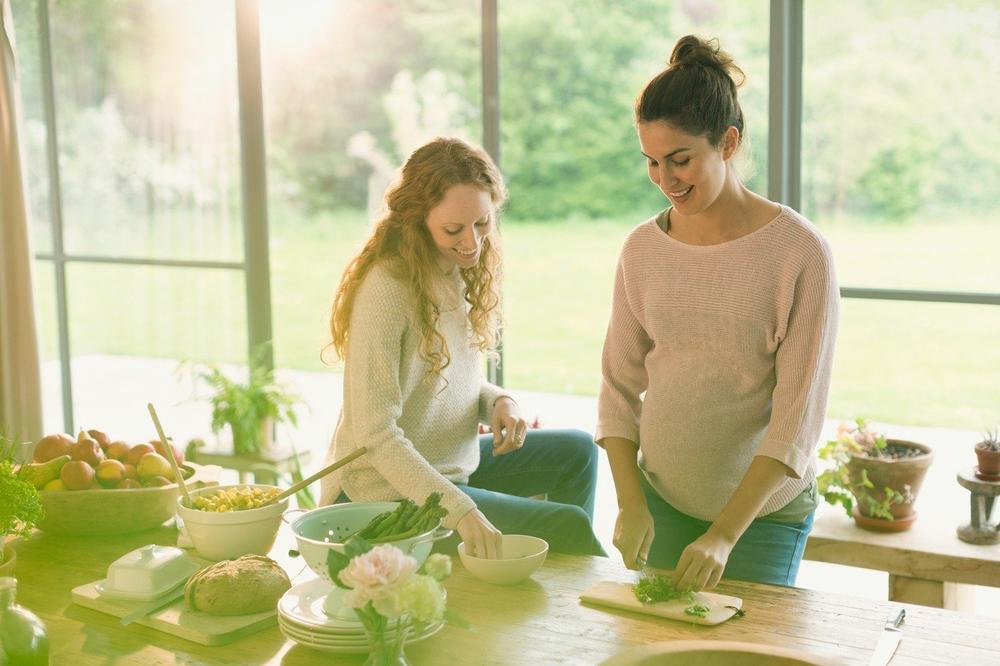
pixel 422 435
pixel 717 353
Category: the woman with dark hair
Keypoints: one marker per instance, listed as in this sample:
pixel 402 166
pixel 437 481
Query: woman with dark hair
pixel 415 310
pixel 716 364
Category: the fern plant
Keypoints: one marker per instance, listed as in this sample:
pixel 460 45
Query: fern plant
pixel 247 406
pixel 20 506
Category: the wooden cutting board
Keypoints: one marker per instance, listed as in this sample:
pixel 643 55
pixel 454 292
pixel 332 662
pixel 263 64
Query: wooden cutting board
pixel 620 595
pixel 179 620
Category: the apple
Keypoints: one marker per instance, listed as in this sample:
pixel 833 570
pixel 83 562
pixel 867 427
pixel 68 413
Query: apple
pixel 77 475
pixel 87 450
pixel 130 472
pixel 158 446
pixel 153 464
pixel 54 484
pixel 102 439
pixel 110 472
pixel 117 450
pixel 126 484
pixel 136 453
pixel 52 446
pixel 155 481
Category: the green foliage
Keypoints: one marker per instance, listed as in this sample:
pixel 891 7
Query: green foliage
pixel 246 406
pixel 838 486
pixel 20 506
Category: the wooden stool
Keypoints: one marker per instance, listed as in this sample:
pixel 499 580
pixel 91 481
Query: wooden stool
pixel 982 530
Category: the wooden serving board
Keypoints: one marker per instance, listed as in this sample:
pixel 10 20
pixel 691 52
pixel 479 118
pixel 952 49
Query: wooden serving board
pixel 178 619
pixel 620 595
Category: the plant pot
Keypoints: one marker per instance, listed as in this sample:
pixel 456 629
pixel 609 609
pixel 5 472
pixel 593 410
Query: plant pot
pixel 9 560
pixel 904 475
pixel 989 463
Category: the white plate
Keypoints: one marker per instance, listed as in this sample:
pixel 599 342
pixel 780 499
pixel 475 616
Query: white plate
pixel 350 648
pixel 303 603
pixel 311 636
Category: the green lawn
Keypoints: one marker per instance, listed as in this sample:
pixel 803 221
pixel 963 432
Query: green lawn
pixel 911 363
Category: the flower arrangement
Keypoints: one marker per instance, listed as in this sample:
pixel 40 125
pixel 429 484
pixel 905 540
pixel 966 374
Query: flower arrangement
pixel 390 595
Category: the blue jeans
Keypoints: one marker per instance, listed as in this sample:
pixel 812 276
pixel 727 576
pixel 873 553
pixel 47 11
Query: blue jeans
pixel 561 464
pixel 768 552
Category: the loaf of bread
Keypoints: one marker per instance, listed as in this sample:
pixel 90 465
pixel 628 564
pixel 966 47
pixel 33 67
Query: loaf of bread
pixel 249 584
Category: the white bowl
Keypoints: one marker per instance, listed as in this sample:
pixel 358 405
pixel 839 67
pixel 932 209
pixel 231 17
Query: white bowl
pixel 230 534
pixel 522 556
pixel 324 529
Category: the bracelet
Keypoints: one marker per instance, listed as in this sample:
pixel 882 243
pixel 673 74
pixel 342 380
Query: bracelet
pixel 494 405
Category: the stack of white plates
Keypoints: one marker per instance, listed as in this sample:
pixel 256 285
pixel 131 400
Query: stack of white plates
pixel 302 619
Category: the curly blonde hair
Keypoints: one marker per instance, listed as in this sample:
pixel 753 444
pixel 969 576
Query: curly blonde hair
pixel 403 243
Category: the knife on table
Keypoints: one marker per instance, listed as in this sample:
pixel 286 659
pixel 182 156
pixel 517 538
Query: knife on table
pixel 889 639
pixel 153 606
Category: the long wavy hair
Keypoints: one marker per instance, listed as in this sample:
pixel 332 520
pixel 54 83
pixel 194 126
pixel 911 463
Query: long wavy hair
pixel 402 242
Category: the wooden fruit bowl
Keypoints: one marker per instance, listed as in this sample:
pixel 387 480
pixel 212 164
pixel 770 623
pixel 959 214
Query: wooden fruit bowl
pixel 104 511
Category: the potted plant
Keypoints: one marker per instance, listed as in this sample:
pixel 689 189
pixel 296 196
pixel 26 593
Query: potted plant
pixel 251 409
pixel 20 506
pixel 875 479
pixel 988 453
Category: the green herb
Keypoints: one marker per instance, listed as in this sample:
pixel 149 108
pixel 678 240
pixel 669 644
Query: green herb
pixel 654 589
pixel 20 507
pixel 739 611
pixel 697 610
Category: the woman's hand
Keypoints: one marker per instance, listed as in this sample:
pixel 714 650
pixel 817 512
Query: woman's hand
pixel 701 564
pixel 480 537
pixel 634 534
pixel 509 428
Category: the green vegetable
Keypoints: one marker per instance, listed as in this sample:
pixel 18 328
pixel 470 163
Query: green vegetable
pixel 654 589
pixel 697 610
pixel 20 507
pixel 407 520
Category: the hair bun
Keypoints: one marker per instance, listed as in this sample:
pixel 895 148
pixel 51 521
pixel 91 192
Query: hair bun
pixel 693 50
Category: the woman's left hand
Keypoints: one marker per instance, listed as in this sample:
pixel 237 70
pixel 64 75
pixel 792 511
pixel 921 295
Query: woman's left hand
pixel 701 564
pixel 509 428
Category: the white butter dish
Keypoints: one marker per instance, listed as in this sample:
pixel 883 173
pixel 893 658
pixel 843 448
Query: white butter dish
pixel 147 573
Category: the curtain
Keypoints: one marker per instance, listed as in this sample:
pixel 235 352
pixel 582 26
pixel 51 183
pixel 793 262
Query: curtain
pixel 20 377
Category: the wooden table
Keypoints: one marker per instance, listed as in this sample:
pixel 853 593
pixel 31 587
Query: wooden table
pixel 540 621
pixel 928 564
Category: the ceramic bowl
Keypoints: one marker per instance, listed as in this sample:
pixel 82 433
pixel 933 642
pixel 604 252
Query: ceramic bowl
pixel 522 556
pixel 103 511
pixel 230 534
pixel 324 529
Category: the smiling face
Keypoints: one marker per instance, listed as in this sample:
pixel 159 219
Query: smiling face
pixel 459 223
pixel 688 169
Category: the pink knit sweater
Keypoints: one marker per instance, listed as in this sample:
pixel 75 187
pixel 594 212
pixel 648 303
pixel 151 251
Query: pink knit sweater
pixel 718 353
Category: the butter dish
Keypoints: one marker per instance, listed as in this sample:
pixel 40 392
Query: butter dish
pixel 147 573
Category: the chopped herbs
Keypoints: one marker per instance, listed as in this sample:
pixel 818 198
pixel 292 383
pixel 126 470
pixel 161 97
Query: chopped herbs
pixel 697 610
pixel 655 589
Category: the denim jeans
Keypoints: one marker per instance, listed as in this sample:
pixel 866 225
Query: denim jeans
pixel 561 464
pixel 768 552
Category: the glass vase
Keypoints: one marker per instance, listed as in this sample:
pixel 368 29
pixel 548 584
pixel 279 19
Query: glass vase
pixel 385 648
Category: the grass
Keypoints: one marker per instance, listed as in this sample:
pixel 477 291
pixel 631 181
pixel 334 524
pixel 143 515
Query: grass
pixel 908 363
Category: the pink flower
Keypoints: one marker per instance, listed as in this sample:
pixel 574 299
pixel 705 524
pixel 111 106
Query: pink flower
pixel 375 574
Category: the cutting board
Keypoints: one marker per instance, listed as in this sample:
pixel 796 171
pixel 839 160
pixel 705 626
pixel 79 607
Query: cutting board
pixel 179 620
pixel 620 595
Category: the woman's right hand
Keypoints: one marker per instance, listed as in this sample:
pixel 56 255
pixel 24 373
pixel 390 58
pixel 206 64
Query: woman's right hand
pixel 480 537
pixel 634 534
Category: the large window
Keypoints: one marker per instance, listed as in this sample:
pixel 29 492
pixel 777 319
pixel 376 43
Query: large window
pixel 901 170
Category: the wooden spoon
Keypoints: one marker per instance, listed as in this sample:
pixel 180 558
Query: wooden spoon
pixel 169 450
pixel 323 472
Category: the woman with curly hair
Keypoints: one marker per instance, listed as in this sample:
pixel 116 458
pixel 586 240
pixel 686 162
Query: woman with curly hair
pixel 415 311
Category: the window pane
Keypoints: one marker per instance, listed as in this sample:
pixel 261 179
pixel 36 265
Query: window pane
pixel 129 329
pixel 901 157
pixel 345 104
pixel 146 103
pixel 917 364
pixel 32 130
pixel 44 293
pixel 569 75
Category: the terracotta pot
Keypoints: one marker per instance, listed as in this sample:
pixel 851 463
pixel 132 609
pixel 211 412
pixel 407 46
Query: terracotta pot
pixel 989 461
pixel 892 473
pixel 9 560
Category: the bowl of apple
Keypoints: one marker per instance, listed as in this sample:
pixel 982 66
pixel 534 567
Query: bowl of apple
pixel 92 485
